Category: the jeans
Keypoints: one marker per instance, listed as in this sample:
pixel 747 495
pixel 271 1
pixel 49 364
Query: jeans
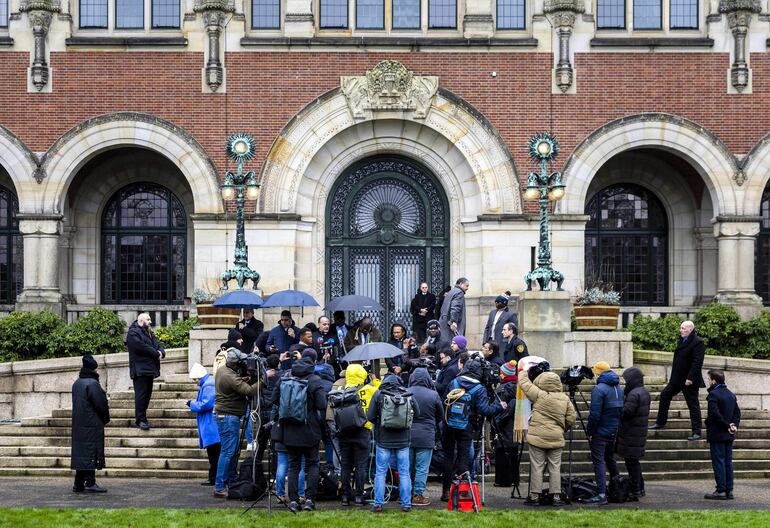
pixel 142 395
pixel 404 480
pixel 229 434
pixel 602 457
pixel 462 440
pixel 282 470
pixel 296 456
pixel 354 453
pixel 690 396
pixel 634 468
pixel 420 461
pixel 722 462
pixel 247 421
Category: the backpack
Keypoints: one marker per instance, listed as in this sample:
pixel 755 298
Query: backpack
pixel 458 410
pixel 581 488
pixel 619 489
pixel 346 407
pixel 293 404
pixel 328 483
pixel 249 486
pixel 396 411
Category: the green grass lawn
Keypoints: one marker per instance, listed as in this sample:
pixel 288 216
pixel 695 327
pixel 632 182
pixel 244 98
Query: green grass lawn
pixel 149 518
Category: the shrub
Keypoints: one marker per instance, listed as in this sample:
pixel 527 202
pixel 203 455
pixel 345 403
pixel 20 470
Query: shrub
pixel 655 334
pixel 178 334
pixel 98 332
pixel 717 325
pixel 26 335
pixel 755 334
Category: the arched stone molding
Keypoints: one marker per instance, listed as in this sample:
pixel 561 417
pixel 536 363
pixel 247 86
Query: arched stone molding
pixel 702 149
pixel 459 130
pixel 70 152
pixel 21 164
pixel 755 168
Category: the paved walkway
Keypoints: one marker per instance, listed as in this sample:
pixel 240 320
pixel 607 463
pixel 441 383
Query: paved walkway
pixel 146 493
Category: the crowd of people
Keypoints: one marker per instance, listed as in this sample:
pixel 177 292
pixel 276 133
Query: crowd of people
pixel 436 405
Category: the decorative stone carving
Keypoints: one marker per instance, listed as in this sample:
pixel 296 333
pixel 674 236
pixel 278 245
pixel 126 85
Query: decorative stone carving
pixel 562 14
pixel 214 15
pixel 739 177
pixel 389 86
pixel 739 13
pixel 40 14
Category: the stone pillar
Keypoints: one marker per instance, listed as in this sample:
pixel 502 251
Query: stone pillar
pixel 562 14
pixel 41 265
pixel 739 14
pixel 40 14
pixel 299 21
pixel 214 14
pixel 544 321
pixel 478 21
pixel 736 241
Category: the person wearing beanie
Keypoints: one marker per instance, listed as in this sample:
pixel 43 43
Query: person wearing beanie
pixel 506 446
pixel 603 422
pixel 500 315
pixel 203 407
pixel 632 434
pixel 459 344
pixel 435 342
pixel 90 413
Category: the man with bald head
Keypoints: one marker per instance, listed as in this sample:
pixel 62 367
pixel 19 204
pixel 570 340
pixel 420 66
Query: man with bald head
pixel 144 355
pixel 686 377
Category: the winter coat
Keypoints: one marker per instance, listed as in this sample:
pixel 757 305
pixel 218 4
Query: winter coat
pixel 688 362
pixel 508 316
pixel 606 406
pixel 426 426
pixel 722 411
pixel 355 376
pixel 143 348
pixel 325 373
pixel 279 336
pixel 268 393
pixel 447 375
pixel 203 407
pixel 389 438
pixel 354 338
pixel 90 413
pixel 632 433
pixel 552 412
pixel 420 301
pixel 436 345
pixel 503 422
pixel 308 434
pixel 453 311
pixel 232 392
pixel 251 331
pixel 481 404
pixel 514 349
pixel 337 385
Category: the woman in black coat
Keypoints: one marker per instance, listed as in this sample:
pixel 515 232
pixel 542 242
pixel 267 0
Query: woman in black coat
pixel 632 434
pixel 422 307
pixel 90 413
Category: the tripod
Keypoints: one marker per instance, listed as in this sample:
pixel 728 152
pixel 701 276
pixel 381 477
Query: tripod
pixel 572 392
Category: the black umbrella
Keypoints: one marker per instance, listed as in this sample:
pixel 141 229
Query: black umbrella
pixel 371 351
pixel 350 303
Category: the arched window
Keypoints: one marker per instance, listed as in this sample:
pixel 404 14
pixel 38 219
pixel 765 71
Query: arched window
pixel 144 246
pixel 11 248
pixel 762 274
pixel 626 244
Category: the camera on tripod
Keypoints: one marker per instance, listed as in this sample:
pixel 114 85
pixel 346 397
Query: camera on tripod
pixel 574 375
pixel 251 366
pixel 490 372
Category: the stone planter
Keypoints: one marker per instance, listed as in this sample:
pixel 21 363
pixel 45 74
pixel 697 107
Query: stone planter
pixel 211 316
pixel 597 317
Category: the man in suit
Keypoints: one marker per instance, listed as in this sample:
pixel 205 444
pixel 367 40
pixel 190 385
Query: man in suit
pixel 686 377
pixel 497 318
pixel 452 320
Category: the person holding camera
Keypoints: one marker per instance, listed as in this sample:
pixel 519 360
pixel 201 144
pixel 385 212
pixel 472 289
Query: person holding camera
pixel 144 355
pixel 632 434
pixel 284 335
pixel 233 391
pixel 603 422
pixel 203 407
pixel 552 415
pixel 422 307
pixel 506 446
pixel 722 421
pixel 425 431
pixel 467 399
pixel 449 369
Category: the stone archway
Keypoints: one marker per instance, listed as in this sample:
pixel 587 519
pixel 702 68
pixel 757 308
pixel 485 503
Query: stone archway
pixel 756 171
pixel 21 164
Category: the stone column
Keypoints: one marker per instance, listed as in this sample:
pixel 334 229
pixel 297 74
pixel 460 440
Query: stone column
pixel 41 264
pixel 736 242
pixel 739 14
pixel 40 14
pixel 562 15
pixel 214 15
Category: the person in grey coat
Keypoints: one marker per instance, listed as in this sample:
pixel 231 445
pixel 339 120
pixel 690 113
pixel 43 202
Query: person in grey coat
pixel 452 320
pixel 90 413
pixel 497 318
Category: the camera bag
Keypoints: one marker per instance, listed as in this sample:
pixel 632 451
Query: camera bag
pixel 346 407
pixel 619 489
pixel 292 406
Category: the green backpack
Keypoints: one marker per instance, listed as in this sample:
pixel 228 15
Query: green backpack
pixel 396 411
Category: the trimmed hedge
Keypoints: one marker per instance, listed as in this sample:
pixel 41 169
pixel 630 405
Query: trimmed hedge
pixel 718 325
pixel 178 334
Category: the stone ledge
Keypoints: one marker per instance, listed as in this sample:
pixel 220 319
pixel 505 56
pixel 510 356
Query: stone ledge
pixel 598 336
pixel 46 366
pixel 652 357
pixel 651 42
pixel 6 41
pixel 414 42
pixel 126 42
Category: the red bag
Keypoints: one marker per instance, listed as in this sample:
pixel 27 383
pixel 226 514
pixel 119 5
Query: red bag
pixel 464 496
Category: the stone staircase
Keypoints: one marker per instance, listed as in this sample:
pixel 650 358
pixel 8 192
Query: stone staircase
pixel 41 446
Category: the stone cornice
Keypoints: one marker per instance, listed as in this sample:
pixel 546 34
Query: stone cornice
pixel 399 42
pixel 126 42
pixel 651 42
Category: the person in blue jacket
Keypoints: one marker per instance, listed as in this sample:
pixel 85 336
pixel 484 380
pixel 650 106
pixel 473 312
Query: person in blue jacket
pixel 283 335
pixel 203 407
pixel 603 422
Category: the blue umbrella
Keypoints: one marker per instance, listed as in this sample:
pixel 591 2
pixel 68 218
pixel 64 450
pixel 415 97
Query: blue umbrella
pixel 358 303
pixel 239 299
pixel 288 298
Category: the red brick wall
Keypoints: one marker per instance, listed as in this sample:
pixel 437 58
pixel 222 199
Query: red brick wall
pixel 265 90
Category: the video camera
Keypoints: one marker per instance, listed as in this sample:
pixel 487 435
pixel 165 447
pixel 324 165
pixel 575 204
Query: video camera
pixel 251 366
pixel 574 375
pixel 537 369
pixel 425 362
pixel 490 372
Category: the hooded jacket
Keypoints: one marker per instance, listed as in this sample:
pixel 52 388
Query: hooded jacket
pixel 355 376
pixel 606 406
pixel 309 433
pixel 447 375
pixel 503 422
pixel 143 348
pixel 632 434
pixel 480 401
pixel 389 438
pixel 425 427
pixel 552 412
pixel 326 373
pixel 203 407
pixel 90 413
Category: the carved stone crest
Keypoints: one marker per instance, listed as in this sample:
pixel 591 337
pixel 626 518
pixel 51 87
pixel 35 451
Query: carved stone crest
pixel 389 86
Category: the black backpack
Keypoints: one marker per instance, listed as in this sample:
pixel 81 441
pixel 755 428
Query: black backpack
pixel 619 489
pixel 581 488
pixel 348 414
pixel 247 488
pixel 328 483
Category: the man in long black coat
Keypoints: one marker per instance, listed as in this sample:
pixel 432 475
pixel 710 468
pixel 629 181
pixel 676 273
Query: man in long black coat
pixel 686 377
pixel 144 355
pixel 250 328
pixel 90 413
pixel 632 434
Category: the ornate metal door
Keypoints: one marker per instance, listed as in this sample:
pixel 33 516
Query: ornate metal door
pixel 387 230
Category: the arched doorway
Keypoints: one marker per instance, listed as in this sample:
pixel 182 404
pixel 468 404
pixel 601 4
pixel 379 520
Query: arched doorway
pixel 762 273
pixel 387 229
pixel 11 248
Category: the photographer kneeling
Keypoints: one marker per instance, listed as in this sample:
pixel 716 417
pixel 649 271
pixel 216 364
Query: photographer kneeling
pixel 232 393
